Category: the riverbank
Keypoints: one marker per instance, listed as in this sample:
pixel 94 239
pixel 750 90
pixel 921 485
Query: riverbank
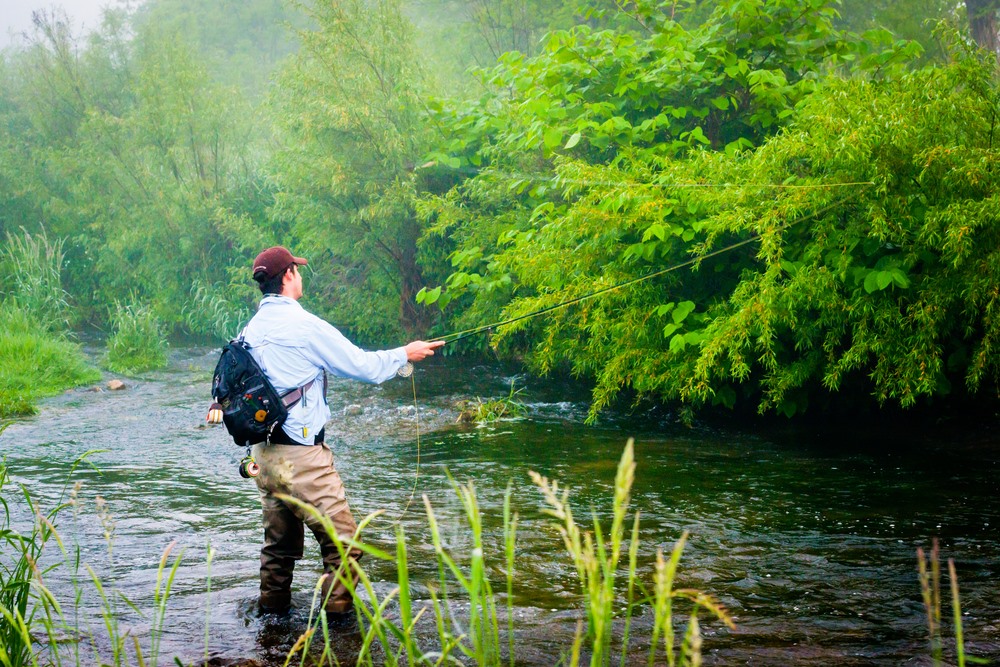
pixel 35 363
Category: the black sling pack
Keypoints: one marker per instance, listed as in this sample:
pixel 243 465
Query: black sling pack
pixel 251 406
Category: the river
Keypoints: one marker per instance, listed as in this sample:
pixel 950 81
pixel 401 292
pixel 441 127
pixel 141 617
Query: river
pixel 809 541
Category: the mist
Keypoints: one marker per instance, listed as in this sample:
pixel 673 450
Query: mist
pixel 15 16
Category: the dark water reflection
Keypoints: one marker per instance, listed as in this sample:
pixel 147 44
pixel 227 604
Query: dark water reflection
pixel 810 544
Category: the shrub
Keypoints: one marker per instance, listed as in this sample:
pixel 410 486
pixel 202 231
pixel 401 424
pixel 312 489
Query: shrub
pixel 34 268
pixel 138 343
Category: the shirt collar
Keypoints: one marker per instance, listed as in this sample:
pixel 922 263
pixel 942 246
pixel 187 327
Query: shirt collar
pixel 277 299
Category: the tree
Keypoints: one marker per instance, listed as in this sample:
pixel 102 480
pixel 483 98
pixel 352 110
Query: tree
pixel 822 284
pixel 239 42
pixel 352 137
pixel 129 152
pixel 983 24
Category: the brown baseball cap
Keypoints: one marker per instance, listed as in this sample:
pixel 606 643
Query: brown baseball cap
pixel 273 261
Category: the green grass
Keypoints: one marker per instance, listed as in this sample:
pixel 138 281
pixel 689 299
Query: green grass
pixel 35 363
pixel 138 343
pixel 33 265
pixel 33 625
pixel 476 637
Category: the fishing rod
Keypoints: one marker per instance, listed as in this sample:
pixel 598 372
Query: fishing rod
pixel 407 370
pixel 460 335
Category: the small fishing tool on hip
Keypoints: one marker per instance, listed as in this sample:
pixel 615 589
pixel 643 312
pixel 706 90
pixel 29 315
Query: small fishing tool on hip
pixel 249 468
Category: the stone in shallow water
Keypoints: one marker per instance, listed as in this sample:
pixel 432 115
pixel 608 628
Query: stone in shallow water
pixel 115 385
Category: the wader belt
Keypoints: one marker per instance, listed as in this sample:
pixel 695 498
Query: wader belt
pixel 279 437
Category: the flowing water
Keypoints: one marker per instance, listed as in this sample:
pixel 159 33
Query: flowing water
pixel 809 543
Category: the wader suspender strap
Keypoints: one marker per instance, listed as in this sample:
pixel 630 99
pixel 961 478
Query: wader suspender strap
pixel 295 395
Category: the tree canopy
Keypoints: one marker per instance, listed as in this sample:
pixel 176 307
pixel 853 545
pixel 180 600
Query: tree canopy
pixel 812 192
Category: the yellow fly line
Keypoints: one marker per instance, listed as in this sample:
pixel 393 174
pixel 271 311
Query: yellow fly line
pixel 459 335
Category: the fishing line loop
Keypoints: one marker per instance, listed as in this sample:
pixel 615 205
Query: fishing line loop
pixel 460 335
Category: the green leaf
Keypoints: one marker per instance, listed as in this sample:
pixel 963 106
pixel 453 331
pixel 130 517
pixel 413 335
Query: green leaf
pixel 665 308
pixel 871 282
pixel 677 343
pixel 427 296
pixel 683 309
pixel 552 137
pixel 656 230
pixel 573 140
pixel 899 278
pixel 884 279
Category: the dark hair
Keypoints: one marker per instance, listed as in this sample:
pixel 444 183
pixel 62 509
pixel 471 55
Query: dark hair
pixel 271 285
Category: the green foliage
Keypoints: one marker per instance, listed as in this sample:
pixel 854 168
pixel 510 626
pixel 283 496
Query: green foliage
pixel 243 42
pixel 124 148
pixel 218 310
pixel 853 251
pixel 20 607
pixel 36 359
pixel 33 622
pixel 34 266
pixel 348 117
pixel 577 157
pixel 483 412
pixel 137 343
pixel 910 20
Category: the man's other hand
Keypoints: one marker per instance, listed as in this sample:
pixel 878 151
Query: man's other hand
pixel 419 350
pixel 214 414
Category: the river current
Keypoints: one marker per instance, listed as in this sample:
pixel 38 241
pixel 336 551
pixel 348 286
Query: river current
pixel 810 542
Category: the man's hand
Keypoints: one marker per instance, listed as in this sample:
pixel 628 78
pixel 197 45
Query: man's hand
pixel 419 350
pixel 214 414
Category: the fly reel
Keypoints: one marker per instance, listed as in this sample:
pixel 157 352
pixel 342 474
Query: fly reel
pixel 249 468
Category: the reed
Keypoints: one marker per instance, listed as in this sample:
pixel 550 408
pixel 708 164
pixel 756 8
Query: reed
pixel 35 627
pixel 33 265
pixel 929 575
pixel 34 623
pixel 474 637
pixel 138 343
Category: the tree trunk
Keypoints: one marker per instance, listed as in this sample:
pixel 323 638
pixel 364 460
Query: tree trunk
pixel 983 23
pixel 414 317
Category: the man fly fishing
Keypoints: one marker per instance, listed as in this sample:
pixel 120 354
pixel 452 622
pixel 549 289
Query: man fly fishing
pixel 295 349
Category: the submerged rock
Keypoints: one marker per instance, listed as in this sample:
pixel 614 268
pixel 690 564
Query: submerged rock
pixel 353 410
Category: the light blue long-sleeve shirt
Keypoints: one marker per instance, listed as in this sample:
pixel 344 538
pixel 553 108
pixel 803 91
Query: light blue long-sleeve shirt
pixel 294 347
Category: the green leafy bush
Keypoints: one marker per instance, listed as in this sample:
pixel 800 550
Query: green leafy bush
pixel 138 343
pixel 847 223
